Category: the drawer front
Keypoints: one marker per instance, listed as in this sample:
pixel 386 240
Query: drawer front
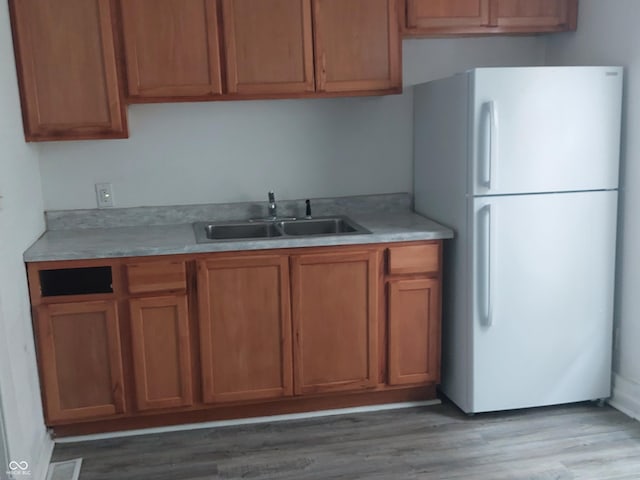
pixel 423 258
pixel 156 277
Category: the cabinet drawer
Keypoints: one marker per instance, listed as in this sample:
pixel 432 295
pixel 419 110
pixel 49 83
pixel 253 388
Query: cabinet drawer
pixel 156 277
pixel 414 259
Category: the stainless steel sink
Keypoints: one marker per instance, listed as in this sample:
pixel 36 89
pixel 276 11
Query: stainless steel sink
pixel 324 226
pixel 252 230
pixel 234 231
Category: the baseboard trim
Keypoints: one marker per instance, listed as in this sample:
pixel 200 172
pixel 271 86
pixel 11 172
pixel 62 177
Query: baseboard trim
pixel 248 421
pixel 626 396
pixel 41 466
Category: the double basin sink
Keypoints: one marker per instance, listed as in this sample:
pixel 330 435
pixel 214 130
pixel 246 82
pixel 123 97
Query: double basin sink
pixel 264 229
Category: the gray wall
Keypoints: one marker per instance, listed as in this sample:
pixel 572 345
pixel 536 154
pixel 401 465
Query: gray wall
pixel 21 222
pixel 608 34
pixel 236 151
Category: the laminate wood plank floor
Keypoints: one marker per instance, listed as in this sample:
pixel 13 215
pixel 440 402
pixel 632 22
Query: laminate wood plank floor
pixel 581 441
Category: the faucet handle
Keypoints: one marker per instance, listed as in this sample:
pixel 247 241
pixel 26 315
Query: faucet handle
pixel 272 197
pixel 308 208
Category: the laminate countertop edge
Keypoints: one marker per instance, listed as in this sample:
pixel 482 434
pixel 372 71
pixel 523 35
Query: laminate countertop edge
pixel 154 240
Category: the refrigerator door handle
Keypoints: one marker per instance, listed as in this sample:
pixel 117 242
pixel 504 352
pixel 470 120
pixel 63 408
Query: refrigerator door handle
pixel 484 280
pixel 491 156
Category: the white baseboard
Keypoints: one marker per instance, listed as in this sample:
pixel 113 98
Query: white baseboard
pixel 40 467
pixel 248 421
pixel 626 396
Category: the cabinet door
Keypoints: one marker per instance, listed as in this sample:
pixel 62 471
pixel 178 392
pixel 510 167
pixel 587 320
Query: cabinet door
pixel 414 331
pixel 539 14
pixel 269 46
pixel 67 69
pixel 245 327
pixel 357 45
pixel 161 351
pixel 439 15
pixel 80 360
pixel 172 47
pixel 335 302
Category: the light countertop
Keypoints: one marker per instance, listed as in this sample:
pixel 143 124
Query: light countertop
pixel 147 231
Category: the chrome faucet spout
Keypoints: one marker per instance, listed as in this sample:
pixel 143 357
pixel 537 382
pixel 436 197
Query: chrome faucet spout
pixel 273 208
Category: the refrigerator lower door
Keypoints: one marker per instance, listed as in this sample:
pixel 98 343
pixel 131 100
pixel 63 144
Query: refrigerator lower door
pixel 542 301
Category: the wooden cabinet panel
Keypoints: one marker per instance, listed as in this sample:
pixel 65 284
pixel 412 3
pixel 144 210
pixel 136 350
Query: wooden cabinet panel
pixel 145 277
pixel 536 13
pixel 357 45
pixel 245 327
pixel 172 47
pixel 269 46
pixel 414 259
pixel 477 17
pixel 414 331
pixel 447 13
pixel 335 305
pixel 79 354
pixel 67 69
pixel 161 351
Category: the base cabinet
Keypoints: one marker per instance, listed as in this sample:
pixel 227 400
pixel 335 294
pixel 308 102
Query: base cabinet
pixel 245 328
pixel 335 321
pixel 145 342
pixel 414 331
pixel 80 358
pixel 161 351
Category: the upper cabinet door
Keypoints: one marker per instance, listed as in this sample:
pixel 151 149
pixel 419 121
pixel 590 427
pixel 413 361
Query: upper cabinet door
pixel 443 14
pixel 269 46
pixel 67 69
pixel 560 14
pixel 357 45
pixel 172 48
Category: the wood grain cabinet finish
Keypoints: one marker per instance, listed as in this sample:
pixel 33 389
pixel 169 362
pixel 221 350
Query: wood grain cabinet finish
pixel 477 17
pixel 80 360
pixel 538 14
pixel 172 48
pixel 268 46
pixel 335 305
pixel 161 351
pixel 245 327
pixel 446 14
pixel 67 69
pixel 357 45
pixel 414 331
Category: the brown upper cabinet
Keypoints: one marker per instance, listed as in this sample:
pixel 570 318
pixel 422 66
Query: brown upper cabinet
pixel 357 45
pixel 268 46
pixel 172 48
pixel 473 17
pixel 67 69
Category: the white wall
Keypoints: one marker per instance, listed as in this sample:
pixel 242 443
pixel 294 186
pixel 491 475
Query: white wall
pixel 608 34
pixel 21 222
pixel 236 151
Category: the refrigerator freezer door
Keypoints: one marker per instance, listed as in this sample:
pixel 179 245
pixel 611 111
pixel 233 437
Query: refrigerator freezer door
pixel 545 129
pixel 543 271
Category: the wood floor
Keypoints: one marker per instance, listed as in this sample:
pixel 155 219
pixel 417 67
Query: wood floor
pixel 431 443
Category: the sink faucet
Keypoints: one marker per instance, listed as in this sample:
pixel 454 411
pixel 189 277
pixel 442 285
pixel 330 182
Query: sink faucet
pixel 273 209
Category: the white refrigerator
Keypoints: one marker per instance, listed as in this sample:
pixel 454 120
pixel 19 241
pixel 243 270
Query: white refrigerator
pixel 523 164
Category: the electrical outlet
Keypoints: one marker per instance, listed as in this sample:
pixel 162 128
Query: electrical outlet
pixel 104 195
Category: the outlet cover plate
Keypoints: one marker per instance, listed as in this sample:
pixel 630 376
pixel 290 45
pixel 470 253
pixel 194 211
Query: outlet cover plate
pixel 104 195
